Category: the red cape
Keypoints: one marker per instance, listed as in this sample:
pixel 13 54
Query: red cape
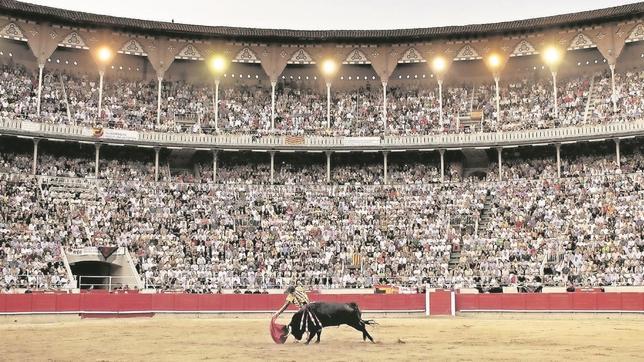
pixel 279 332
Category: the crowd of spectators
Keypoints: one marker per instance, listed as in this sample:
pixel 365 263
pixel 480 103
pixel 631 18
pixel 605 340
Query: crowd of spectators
pixel 301 108
pixel 584 229
pixel 30 246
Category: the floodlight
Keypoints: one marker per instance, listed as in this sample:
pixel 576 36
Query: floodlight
pixel 439 64
pixel 218 64
pixel 329 67
pixel 104 54
pixel 552 56
pixel 494 61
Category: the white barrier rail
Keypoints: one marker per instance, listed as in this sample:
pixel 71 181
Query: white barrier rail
pixel 196 140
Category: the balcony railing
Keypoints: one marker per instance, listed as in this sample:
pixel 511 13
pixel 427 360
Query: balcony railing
pixel 205 141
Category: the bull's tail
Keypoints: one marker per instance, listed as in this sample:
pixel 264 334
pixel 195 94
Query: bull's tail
pixel 369 322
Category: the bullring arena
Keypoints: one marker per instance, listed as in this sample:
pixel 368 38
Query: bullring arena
pixel 174 191
pixel 469 337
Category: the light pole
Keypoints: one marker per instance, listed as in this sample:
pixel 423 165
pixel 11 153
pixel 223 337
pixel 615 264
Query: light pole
pixel 104 55
pixel 273 84
pixel 438 67
pixel 552 57
pixel 40 69
pixel 612 85
pixel 494 62
pixel 384 105
pixel 160 78
pixel 217 66
pixel 329 67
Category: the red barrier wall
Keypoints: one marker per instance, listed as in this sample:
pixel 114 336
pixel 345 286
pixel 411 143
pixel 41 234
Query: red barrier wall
pixel 178 302
pixel 440 302
pixel 551 302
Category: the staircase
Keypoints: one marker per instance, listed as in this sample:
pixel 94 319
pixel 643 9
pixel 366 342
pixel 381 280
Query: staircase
pixel 465 225
pixel 454 258
pixel 485 213
pixel 593 99
pixel 69 112
pixel 472 227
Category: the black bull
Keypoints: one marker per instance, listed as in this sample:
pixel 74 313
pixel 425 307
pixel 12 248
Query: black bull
pixel 315 316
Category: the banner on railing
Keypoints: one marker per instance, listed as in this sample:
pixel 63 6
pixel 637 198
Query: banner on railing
pixel 361 141
pixel 111 134
pixel 30 126
pixel 294 140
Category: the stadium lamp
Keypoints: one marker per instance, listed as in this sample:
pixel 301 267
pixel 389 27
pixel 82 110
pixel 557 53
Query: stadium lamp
pixel 329 67
pixel 104 54
pixel 494 61
pixel 552 56
pixel 218 64
pixel 439 64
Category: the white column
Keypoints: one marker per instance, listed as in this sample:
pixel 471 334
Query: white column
pixel 612 83
pixel 34 168
pixel 618 158
pixel 272 167
pixel 40 69
pixel 101 74
pixel 440 100
pixel 384 104
pixel 498 105
pixel 159 101
pixel 427 299
pixel 385 165
pixel 216 104
pixel 499 151
pixel 215 156
pixel 442 152
pixel 558 147
pixel 328 105
pixel 328 166
pixel 156 164
pixel 97 159
pixel 554 92
pixel 273 84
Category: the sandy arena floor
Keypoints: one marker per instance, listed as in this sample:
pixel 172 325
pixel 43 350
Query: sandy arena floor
pixel 469 337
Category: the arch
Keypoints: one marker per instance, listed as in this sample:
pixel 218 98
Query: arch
pixel 637 34
pixel 246 55
pixel 356 56
pixel 12 31
pixel 73 40
pixel 189 52
pixel 523 48
pixel 132 47
pixel 301 56
pixel 467 52
pixel 581 41
pixel 412 55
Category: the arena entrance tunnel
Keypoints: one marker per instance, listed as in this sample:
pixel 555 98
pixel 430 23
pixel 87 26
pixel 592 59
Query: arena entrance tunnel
pixel 95 274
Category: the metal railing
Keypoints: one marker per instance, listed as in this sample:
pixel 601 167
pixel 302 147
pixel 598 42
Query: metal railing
pixel 107 282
